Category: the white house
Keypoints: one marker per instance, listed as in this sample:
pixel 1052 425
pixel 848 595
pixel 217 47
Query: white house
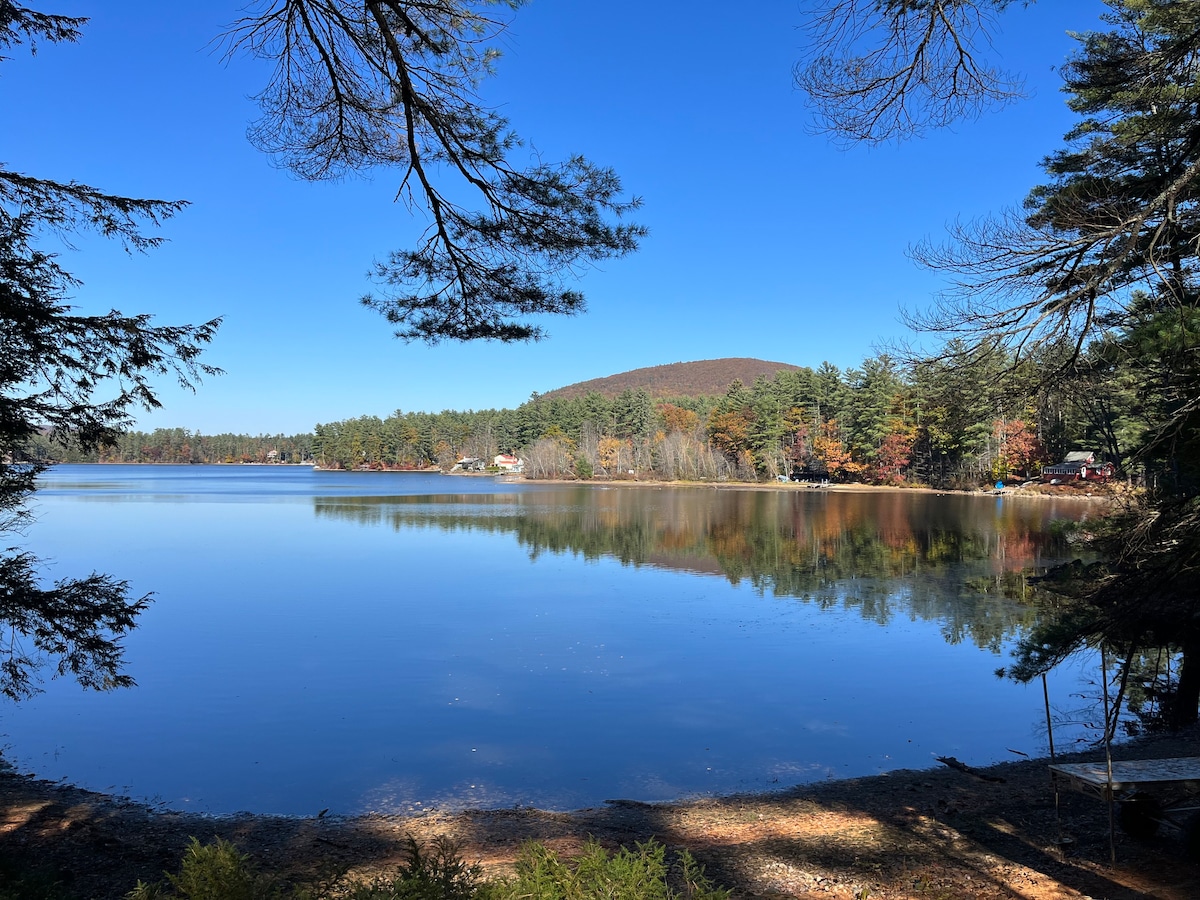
pixel 509 463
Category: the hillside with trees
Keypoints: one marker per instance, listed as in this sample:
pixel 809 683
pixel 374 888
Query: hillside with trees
pixel 703 378
pixel 886 422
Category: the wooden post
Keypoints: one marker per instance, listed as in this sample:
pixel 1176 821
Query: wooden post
pixel 1112 827
pixel 1053 774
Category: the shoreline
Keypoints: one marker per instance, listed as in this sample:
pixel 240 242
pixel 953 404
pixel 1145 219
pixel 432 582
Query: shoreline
pixel 1069 492
pixel 803 487
pixel 909 833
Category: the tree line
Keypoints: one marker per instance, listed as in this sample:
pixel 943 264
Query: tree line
pixel 180 446
pixel 885 422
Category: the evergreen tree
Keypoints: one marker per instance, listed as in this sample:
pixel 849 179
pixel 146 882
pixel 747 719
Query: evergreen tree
pixel 393 84
pixel 76 378
pixel 1110 242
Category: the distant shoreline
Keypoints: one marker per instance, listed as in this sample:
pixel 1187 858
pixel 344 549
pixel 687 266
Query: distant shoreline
pixel 1065 492
pixel 804 487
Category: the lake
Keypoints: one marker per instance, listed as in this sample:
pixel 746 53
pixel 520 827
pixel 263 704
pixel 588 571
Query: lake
pixel 395 641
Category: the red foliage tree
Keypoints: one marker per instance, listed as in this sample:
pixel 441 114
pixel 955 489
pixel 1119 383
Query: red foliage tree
pixel 1020 449
pixel 893 455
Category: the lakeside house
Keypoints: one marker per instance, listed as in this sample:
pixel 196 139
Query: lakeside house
pixel 468 464
pixel 1082 465
pixel 507 463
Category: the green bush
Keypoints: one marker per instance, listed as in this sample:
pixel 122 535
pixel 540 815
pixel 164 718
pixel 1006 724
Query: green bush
pixel 639 874
pixel 215 871
pixel 436 872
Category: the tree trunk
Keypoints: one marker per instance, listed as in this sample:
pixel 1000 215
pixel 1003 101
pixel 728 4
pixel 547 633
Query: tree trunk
pixel 1186 701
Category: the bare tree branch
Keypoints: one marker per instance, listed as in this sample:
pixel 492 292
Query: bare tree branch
pixel 884 70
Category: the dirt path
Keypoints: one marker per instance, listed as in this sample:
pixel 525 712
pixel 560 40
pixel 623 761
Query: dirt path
pixel 927 834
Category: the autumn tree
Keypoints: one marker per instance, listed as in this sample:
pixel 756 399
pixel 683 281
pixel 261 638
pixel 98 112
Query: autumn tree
pixel 677 419
pixel 612 452
pixel 894 452
pixel 1019 450
pixel 731 428
pixel 730 432
pixel 831 453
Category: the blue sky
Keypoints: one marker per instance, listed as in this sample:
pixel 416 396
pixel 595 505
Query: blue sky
pixel 766 240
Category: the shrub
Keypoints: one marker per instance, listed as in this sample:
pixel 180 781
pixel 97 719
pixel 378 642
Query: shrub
pixel 215 871
pixel 436 872
pixel 583 467
pixel 639 874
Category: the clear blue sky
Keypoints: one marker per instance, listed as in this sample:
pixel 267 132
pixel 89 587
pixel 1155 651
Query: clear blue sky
pixel 766 240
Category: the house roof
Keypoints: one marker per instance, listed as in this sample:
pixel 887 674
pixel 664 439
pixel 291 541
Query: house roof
pixel 1080 456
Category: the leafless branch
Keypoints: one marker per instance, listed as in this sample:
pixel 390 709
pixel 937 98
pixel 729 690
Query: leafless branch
pixel 1031 281
pixel 883 70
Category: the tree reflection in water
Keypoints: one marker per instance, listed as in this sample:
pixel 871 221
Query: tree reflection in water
pixel 944 558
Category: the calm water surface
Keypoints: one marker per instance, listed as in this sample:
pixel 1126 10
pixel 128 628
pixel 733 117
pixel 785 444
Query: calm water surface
pixel 361 641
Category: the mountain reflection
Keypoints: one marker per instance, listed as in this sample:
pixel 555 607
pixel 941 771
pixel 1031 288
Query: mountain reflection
pixel 922 556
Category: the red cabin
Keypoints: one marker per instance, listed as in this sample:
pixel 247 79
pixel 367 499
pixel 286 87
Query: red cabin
pixel 1080 464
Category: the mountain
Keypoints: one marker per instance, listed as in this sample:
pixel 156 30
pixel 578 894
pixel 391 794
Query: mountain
pixel 706 377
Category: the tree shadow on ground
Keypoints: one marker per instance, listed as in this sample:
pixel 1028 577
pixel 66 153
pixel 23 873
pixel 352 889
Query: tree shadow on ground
pixel 937 833
pixel 920 834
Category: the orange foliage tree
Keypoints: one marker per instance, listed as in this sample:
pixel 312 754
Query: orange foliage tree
pixel 830 450
pixel 677 419
pixel 892 456
pixel 608 450
pixel 894 451
pixel 730 432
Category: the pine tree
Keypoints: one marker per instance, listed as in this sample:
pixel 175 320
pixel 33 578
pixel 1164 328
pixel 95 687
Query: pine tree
pixel 77 379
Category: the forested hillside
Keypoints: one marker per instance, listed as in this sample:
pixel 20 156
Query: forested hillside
pixel 703 378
